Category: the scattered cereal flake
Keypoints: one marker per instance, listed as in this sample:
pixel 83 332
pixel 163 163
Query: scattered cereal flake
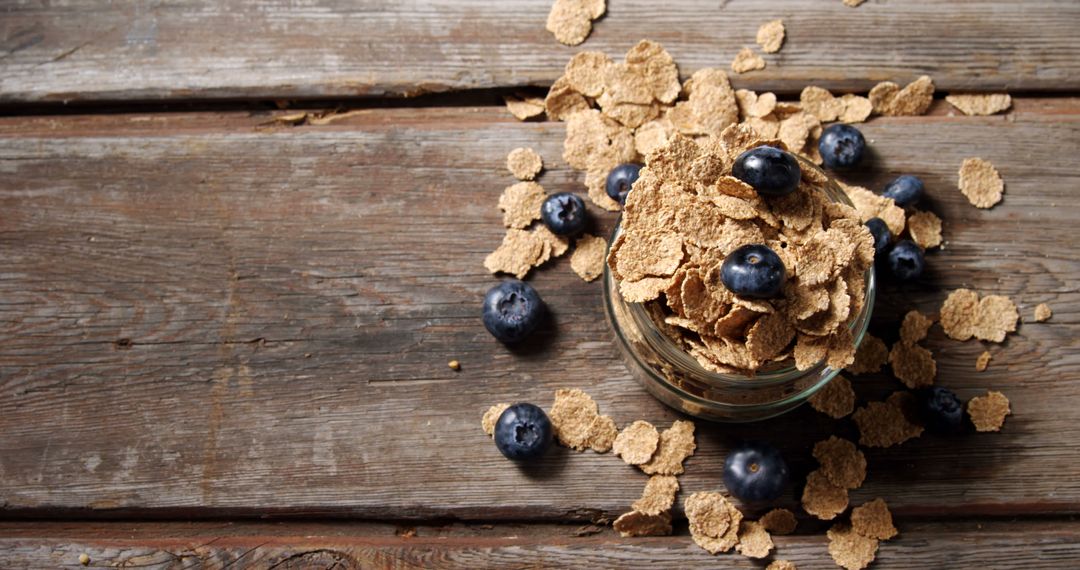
pixel 585 72
pixel 884 424
pixel 595 142
pixel 770 36
pixel 1043 313
pixel 997 317
pixel 870 205
pixel 980 104
pixel 572 418
pixel 557 244
pixel 980 183
pixel 915 326
pixel 524 163
pixel 588 257
pixel 571 20
pixel 820 103
pixel 781 565
pixel 562 100
pixel 779 521
pixel 637 443
pixel 983 361
pixel 521 203
pixel 913 365
pixel 524 107
pixel 850 549
pixel 914 99
pixel 491 416
pixel 754 540
pixel 925 229
pixel 652 135
pixel 853 3
pixel 714 521
pixel 856 108
pixel 658 496
pixel 653 63
pixel 595 181
pixel 841 462
pixel 602 434
pixel 836 399
pixel 823 499
pixel 634 523
pixel 675 445
pixel 519 251
pixel 871 355
pixel 747 60
pixel 988 412
pixel 960 313
pixel 710 106
pixel 873 520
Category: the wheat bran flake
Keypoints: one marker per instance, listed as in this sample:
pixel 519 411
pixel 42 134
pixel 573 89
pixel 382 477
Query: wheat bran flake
pixel 983 361
pixel 1043 313
pixel 849 549
pixel 519 252
pixel 836 399
pixel 871 355
pixel 634 523
pixel 873 520
pixel 980 104
pixel 714 521
pixel 521 203
pixel 637 443
pixel 572 417
pixel 754 540
pixel 602 432
pixel 820 103
pixel 746 60
pixel 675 445
pixel 588 257
pixel 823 499
pixel 524 163
pixel 781 565
pixel 885 424
pixel 779 521
pixel 889 99
pixel 658 496
pixel 570 21
pixel 841 462
pixel 988 412
pixel 980 183
pixel 491 416
pixel 524 107
pixel 925 229
pixel 770 36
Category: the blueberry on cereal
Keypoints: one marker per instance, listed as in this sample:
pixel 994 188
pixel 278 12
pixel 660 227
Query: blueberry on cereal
pixel 523 432
pixel 755 472
pixel 906 260
pixel 620 180
pixel 564 214
pixel 905 190
pixel 769 170
pixel 512 310
pixel 942 412
pixel 753 271
pixel 882 236
pixel 841 146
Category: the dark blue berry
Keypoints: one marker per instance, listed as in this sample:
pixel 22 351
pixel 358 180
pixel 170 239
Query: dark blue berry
pixel 755 472
pixel 512 310
pixel 564 214
pixel 771 171
pixel 523 432
pixel 753 271
pixel 882 236
pixel 841 146
pixel 906 190
pixel 906 260
pixel 942 412
pixel 620 180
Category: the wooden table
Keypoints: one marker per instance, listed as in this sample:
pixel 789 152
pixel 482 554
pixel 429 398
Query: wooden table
pixel 224 341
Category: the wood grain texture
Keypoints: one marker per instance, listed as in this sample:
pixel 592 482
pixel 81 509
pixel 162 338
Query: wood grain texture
pixel 200 316
pixel 93 50
pixel 1020 545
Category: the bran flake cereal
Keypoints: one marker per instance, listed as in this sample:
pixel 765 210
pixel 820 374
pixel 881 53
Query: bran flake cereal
pixel 710 105
pixel 873 520
pixel 637 443
pixel 820 103
pixel 965 315
pixel 675 445
pixel 714 521
pixel 836 399
pixel 519 252
pixel 658 496
pixel 602 433
pixel 562 100
pixel 870 205
pixel 570 21
pixel 588 257
pixel 770 36
pixel 913 365
pixel 557 244
pixel 849 549
pixel 524 163
pixel 853 3
pixel 841 462
pixel 572 417
pixel 914 99
pixel 925 229
pixel 781 565
pixel 983 361
pixel 746 60
pixel 1043 313
pixel 779 521
pixel 823 499
pixel 521 203
pixel 634 523
pixel 988 412
pixel 584 72
pixel 885 424
pixel 980 104
pixel 524 107
pixel 754 540
pixel 871 355
pixel 856 108
pixel 980 183
pixel 915 326
pixel 491 416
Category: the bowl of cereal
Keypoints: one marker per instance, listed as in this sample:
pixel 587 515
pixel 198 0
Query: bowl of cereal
pixel 697 339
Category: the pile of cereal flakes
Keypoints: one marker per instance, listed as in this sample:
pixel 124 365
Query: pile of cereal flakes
pixel 624 111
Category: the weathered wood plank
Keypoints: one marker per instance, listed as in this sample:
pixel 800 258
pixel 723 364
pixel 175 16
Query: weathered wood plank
pixel 200 317
pixel 1015 544
pixel 92 50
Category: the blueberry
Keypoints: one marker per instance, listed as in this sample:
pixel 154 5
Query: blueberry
pixel 906 260
pixel 841 146
pixel 771 171
pixel 512 310
pixel 906 190
pixel 942 412
pixel 882 236
pixel 753 271
pixel 564 214
pixel 620 180
pixel 755 472
pixel 523 432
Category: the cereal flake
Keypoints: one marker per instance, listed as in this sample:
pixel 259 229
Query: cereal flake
pixel 820 103
pixel 754 540
pixel 781 565
pixel 856 108
pixel 925 229
pixel 836 399
pixel 823 499
pixel 524 163
pixel 602 432
pixel 980 183
pixel 913 365
pixel 873 520
pixel 915 326
pixel 562 100
pixel 980 104
pixel 570 21
pixel 841 462
pixel 491 416
pixel 572 418
pixel 884 424
pixel 521 203
pixel 988 412
pixel 779 521
pixel 585 72
pixel 675 445
pixel 519 252
pixel 588 257
pixel 871 355
pixel 658 496
pixel 637 443
pixel 1043 313
pixel 770 36
pixel 850 549
pixel 634 523
pixel 983 361
pixel 914 99
pixel 746 60
pixel 524 107
pixel 714 521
